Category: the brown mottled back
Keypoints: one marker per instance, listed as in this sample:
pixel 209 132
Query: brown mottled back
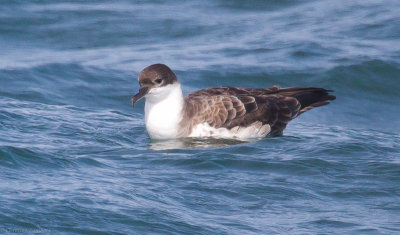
pixel 229 107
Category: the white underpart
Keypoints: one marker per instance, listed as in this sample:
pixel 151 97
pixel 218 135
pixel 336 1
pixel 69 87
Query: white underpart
pixel 254 130
pixel 163 110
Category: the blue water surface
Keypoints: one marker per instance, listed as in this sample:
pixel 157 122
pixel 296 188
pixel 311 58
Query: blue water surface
pixel 75 157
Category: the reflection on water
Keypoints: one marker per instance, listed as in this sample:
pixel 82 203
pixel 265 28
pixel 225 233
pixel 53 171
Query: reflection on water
pixel 188 143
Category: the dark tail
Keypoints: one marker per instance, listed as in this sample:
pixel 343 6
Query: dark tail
pixel 309 97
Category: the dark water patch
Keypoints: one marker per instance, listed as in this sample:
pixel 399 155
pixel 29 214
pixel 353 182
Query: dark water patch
pixel 256 5
pixel 355 193
pixel 311 50
pixel 90 162
pixel 384 170
pixel 93 25
pixel 371 77
pixel 334 223
pixel 69 84
pixel 376 25
pixel 13 157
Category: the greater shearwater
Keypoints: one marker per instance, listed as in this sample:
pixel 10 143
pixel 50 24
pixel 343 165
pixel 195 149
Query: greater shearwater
pixel 220 112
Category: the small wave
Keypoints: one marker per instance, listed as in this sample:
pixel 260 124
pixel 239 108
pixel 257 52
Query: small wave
pixel 371 77
pixel 258 5
pixel 14 157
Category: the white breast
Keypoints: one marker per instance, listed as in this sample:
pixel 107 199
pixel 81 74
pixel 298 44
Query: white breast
pixel 163 110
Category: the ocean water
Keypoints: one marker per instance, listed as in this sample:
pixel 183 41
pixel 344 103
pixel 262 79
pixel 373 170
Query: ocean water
pixel 75 157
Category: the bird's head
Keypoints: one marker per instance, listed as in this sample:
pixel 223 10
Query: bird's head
pixel 153 81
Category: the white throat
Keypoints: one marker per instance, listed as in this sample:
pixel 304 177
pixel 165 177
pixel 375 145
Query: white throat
pixel 163 111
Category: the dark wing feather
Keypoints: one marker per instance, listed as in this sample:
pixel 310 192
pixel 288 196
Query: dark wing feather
pixel 229 107
pixel 216 110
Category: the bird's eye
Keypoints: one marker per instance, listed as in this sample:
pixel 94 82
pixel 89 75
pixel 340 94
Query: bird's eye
pixel 158 81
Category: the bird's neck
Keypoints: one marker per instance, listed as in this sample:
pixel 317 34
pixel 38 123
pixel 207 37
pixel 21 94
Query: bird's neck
pixel 163 112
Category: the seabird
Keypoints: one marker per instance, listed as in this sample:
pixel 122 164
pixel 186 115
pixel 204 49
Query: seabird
pixel 220 112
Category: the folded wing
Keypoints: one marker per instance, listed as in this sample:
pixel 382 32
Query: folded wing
pixel 228 107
